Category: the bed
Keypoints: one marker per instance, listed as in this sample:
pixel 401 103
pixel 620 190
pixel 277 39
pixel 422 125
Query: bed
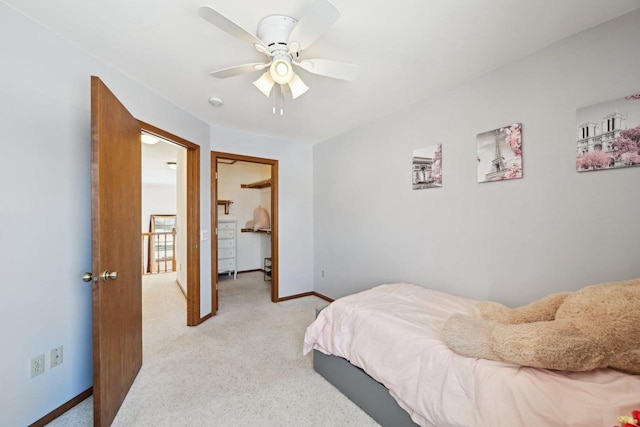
pixel 382 348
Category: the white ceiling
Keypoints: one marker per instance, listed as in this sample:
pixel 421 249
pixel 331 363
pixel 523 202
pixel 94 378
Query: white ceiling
pixel 154 163
pixel 407 50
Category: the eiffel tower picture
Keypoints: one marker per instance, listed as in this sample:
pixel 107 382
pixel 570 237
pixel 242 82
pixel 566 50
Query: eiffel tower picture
pixel 500 154
pixel 497 164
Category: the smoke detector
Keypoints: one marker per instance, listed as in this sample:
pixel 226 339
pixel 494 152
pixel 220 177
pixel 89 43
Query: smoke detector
pixel 216 102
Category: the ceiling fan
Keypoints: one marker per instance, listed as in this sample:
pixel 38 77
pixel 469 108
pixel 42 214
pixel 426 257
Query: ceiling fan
pixel 282 39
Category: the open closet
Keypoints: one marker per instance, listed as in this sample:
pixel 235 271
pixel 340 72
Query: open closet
pixel 244 194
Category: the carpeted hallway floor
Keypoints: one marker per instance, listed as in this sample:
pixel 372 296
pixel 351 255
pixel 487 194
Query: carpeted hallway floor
pixel 243 367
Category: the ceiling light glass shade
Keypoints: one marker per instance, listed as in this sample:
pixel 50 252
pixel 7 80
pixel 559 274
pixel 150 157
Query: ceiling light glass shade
pixel 265 83
pixel 281 71
pixel 149 139
pixel 297 86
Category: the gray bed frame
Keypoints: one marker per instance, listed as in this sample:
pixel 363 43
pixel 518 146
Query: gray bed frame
pixel 371 396
pixel 361 389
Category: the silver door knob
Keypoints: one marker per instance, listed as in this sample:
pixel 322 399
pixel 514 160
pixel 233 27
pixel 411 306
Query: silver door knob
pixel 109 275
pixel 88 277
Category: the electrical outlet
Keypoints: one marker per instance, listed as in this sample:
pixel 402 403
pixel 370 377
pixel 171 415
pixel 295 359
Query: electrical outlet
pixel 37 365
pixel 322 273
pixel 56 356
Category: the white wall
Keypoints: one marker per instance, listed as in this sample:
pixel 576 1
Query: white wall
pixel 294 197
pixel 45 236
pixel 181 209
pixel 157 199
pixel 245 201
pixel 510 241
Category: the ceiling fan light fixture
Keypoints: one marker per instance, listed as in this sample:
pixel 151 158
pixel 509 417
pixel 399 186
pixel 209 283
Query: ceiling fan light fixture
pixel 281 71
pixel 265 83
pixel 149 139
pixel 297 86
pixel 282 39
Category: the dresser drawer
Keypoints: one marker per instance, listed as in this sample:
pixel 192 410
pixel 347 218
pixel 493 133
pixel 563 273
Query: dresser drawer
pixel 227 246
pixel 226 243
pixel 226 234
pixel 226 253
pixel 226 226
pixel 226 265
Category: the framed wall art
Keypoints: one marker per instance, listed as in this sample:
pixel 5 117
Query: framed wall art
pixel 608 134
pixel 427 167
pixel 499 154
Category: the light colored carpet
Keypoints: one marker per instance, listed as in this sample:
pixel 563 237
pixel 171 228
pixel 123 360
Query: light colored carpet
pixel 243 367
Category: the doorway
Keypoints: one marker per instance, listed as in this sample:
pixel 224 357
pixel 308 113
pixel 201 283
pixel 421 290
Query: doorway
pixel 192 220
pixel 163 246
pixel 272 166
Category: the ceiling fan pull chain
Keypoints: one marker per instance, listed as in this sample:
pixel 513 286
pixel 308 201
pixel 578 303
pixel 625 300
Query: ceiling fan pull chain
pixel 281 102
pixel 274 103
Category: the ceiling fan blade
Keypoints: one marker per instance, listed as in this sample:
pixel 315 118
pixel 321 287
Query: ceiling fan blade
pixel 239 69
pixel 328 68
pixel 226 24
pixel 317 19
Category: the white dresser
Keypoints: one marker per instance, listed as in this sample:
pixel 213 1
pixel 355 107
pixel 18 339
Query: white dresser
pixel 227 246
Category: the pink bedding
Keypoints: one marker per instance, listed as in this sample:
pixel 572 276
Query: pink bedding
pixel 393 333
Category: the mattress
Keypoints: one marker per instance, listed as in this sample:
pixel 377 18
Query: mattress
pixel 392 332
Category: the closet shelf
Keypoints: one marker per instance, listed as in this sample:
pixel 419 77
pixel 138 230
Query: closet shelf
pixel 226 204
pixel 251 230
pixel 259 184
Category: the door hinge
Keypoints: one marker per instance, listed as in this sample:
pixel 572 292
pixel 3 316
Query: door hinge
pixel 216 231
pixel 216 175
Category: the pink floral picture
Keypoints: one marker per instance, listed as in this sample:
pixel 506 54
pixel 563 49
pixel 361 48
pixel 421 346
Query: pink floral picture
pixel 608 135
pixel 427 167
pixel 500 154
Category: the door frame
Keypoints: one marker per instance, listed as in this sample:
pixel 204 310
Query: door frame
pixel 215 155
pixel 193 219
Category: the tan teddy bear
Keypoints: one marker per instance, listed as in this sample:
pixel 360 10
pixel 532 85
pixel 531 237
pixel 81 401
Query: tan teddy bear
pixel 260 219
pixel 595 327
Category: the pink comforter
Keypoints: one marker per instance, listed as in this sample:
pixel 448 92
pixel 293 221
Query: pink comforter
pixel 393 333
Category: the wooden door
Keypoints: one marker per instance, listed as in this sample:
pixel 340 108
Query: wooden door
pixel 116 226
